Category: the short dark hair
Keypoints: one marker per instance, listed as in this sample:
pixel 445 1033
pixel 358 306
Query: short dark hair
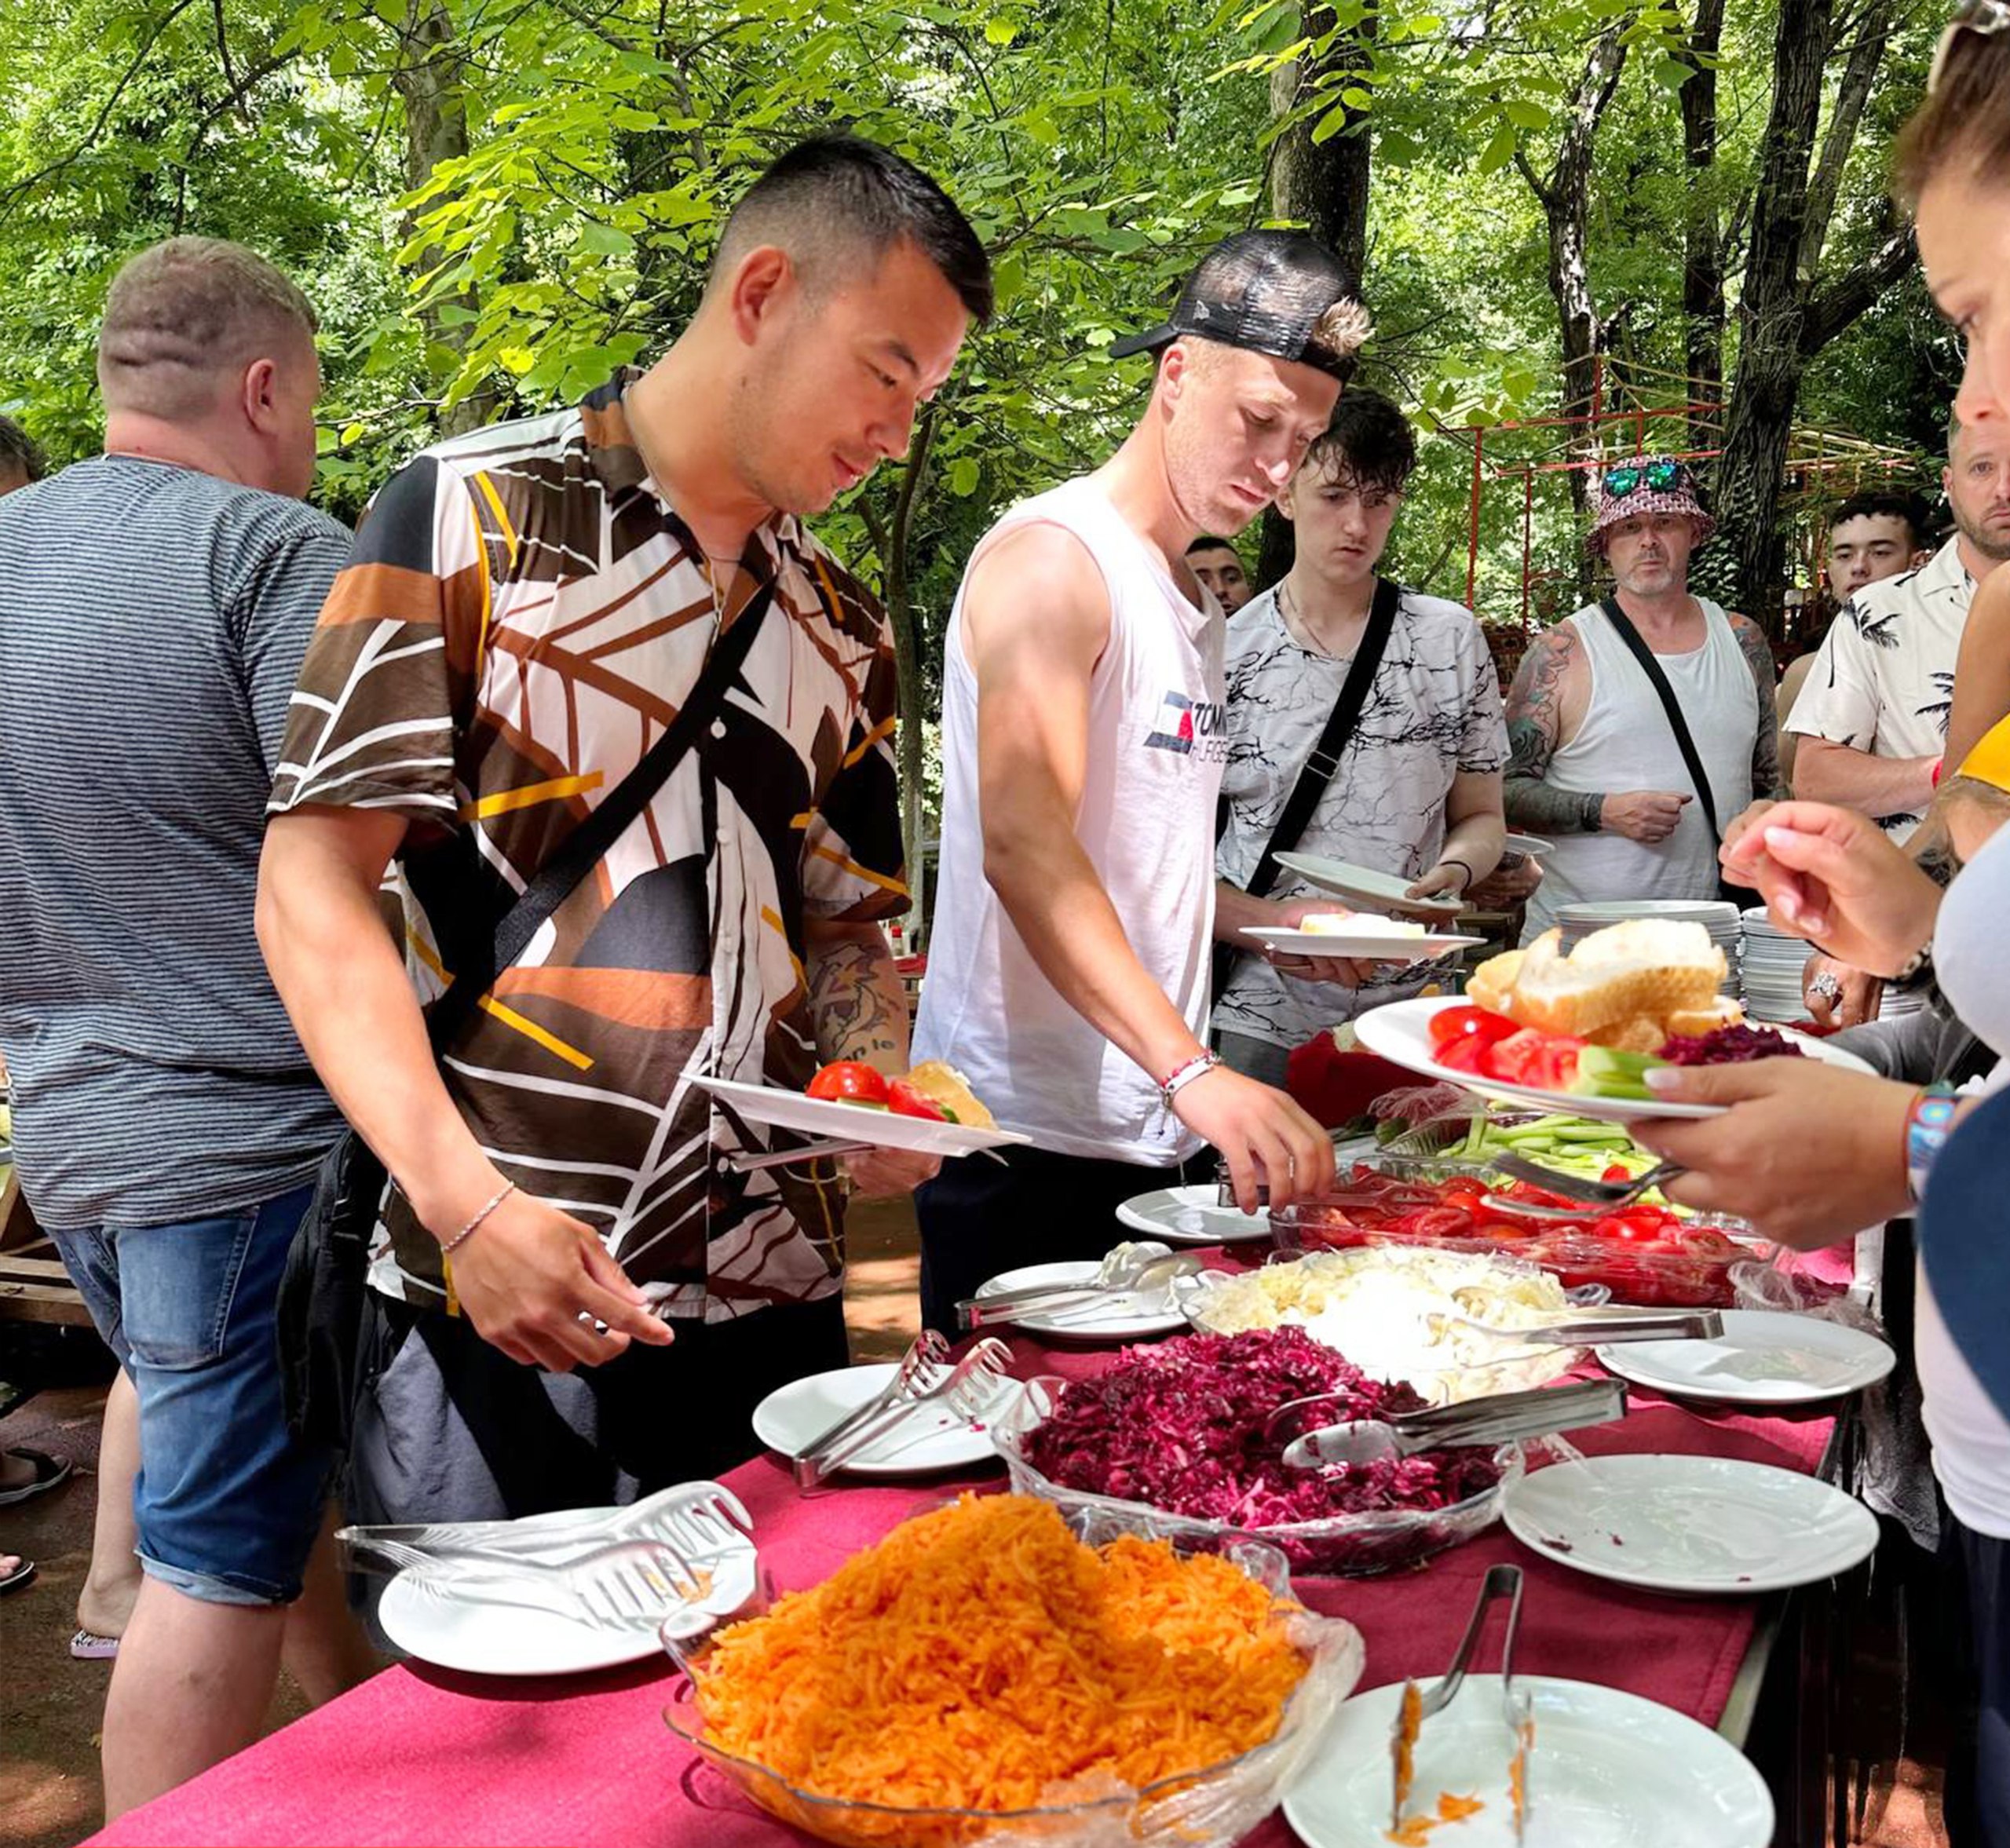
pixel 833 191
pixel 1963 119
pixel 1889 503
pixel 18 451
pixel 1369 439
pixel 1209 542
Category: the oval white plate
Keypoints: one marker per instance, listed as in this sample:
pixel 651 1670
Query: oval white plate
pixel 1607 1770
pixel 1379 945
pixel 1122 1318
pixel 1399 1031
pixel 480 1639
pixel 1765 1356
pixel 1191 1216
pixel 794 1416
pixel 1378 891
pixel 1534 846
pixel 1702 1525
pixel 818 1117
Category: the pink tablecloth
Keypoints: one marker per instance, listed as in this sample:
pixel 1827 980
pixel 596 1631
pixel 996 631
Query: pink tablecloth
pixel 418 1755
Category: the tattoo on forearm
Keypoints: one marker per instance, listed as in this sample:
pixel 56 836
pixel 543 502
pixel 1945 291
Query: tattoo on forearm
pixel 1766 782
pixel 857 1002
pixel 1534 722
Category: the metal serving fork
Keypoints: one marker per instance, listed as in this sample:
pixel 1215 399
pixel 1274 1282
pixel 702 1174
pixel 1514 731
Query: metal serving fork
pixel 1599 1197
pixel 928 1351
pixel 1146 1268
pixel 965 1391
pixel 1517 1706
pixel 701 1519
pixel 623 1587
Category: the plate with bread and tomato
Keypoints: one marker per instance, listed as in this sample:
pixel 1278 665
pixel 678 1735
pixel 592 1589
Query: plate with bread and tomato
pixel 929 1110
pixel 1582 1029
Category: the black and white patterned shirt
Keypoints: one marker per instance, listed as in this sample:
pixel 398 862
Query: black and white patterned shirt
pixel 1433 712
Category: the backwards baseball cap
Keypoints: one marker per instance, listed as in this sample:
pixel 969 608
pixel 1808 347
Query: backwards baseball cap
pixel 1276 292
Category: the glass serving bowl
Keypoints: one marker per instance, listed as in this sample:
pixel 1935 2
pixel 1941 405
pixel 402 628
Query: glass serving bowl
pixel 1209 1807
pixel 1456 1364
pixel 1338 1546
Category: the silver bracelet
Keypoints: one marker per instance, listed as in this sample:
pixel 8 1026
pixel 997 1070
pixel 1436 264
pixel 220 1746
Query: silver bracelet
pixel 468 1230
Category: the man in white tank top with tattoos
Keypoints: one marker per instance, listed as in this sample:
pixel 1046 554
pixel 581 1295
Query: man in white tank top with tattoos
pixel 1083 746
pixel 1594 760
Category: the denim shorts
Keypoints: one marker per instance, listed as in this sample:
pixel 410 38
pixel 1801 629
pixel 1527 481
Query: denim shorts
pixel 227 1504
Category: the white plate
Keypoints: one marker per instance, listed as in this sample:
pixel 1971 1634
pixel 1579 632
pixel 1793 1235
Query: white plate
pixel 1534 846
pixel 1123 1317
pixel 1702 1525
pixel 794 1416
pixel 1382 891
pixel 1765 1356
pixel 1191 1216
pixel 1378 945
pixel 1607 1770
pixel 818 1117
pixel 479 1639
pixel 1400 1032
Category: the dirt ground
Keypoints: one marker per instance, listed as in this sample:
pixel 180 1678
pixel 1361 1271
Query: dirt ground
pixel 50 1705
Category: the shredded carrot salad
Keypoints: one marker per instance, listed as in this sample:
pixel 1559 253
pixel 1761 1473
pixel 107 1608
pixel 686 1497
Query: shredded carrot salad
pixel 981 1655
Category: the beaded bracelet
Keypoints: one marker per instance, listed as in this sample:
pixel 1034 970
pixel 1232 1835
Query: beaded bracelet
pixel 1182 1075
pixel 468 1230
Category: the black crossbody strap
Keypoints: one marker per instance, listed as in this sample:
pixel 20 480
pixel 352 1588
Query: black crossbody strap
pixel 1637 645
pixel 587 844
pixel 1317 771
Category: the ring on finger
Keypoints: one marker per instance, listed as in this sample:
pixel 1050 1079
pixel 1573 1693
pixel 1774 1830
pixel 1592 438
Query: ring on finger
pixel 592 1321
pixel 1827 987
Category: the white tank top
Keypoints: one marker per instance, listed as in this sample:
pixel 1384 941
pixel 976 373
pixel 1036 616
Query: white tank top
pixel 1625 743
pixel 1157 746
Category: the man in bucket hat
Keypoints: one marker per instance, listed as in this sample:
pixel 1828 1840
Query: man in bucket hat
pixel 1642 724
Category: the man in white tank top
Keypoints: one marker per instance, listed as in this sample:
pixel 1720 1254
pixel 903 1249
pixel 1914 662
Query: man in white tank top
pixel 1594 760
pixel 1083 746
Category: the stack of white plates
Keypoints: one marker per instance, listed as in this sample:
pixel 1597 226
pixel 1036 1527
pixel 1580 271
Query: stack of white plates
pixel 1719 918
pixel 1773 965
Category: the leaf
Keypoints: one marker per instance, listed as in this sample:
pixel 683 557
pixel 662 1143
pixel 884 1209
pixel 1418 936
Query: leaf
pixel 1393 145
pixel 1499 151
pixel 596 239
pixel 1670 73
pixel 999 31
pixel 353 433
pixel 1524 115
pixel 964 475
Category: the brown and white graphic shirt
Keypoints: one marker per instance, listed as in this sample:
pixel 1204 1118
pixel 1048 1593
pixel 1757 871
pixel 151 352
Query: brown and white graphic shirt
pixel 520 618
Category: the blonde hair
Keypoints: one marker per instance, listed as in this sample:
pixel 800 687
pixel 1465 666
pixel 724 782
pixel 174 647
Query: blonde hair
pixel 186 315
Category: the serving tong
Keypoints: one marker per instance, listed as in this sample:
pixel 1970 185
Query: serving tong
pixel 1598 1198
pixel 926 1378
pixel 1144 1268
pixel 1416 1706
pixel 627 1568
pixel 1499 1418
pixel 1604 1328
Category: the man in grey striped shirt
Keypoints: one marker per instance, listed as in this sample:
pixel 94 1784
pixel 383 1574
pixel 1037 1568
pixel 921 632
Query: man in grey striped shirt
pixel 155 605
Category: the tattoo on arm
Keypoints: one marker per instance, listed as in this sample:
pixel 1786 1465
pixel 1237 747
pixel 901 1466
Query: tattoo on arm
pixel 1535 706
pixel 857 1003
pixel 1767 783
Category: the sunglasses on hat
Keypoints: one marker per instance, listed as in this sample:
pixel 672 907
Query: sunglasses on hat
pixel 1661 475
pixel 1983 18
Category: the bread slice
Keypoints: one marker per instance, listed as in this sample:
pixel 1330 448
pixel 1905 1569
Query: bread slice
pixel 1492 985
pixel 945 1085
pixel 1692 1024
pixel 1621 983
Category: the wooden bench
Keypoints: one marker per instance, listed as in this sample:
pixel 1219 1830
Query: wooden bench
pixel 34 1286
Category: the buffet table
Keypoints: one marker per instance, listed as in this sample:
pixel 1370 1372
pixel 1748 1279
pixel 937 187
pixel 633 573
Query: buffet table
pixel 421 1755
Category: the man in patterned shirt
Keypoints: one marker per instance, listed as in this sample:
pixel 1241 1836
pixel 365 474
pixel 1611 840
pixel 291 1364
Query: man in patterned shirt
pixel 526 608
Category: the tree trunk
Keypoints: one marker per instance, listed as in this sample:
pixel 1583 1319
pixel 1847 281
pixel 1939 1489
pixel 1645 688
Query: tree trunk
pixel 912 696
pixel 1323 185
pixel 1703 256
pixel 429 79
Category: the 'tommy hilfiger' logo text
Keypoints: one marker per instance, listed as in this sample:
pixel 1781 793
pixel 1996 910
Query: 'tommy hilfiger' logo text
pixel 1182 722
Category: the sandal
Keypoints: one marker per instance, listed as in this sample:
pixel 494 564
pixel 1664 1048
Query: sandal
pixel 50 1472
pixel 19 1576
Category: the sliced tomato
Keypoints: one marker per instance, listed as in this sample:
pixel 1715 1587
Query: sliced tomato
pixel 1465 1195
pixel 1463 1055
pixel 1543 1061
pixel 849 1081
pixel 1451 1023
pixel 904 1099
pixel 1618 1173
